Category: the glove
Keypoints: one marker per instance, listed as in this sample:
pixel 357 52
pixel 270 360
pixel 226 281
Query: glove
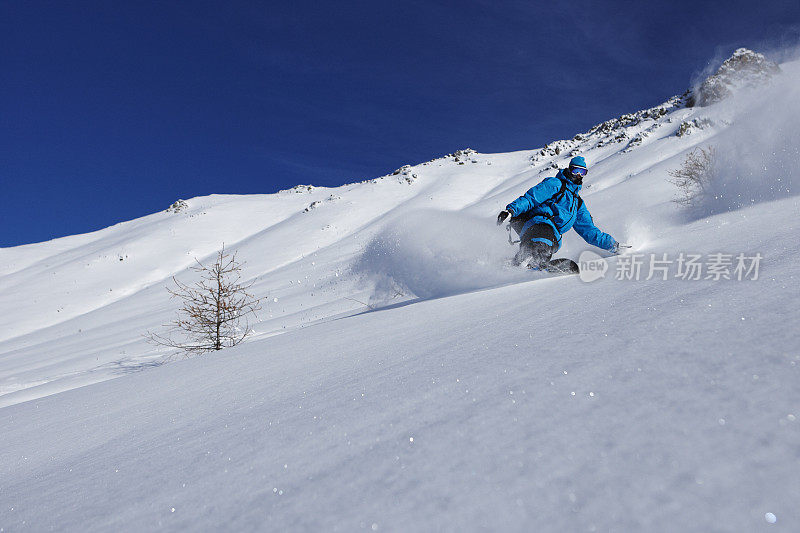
pixel 502 217
pixel 617 247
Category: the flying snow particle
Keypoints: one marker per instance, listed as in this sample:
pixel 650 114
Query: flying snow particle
pixel 771 518
pixel 411 439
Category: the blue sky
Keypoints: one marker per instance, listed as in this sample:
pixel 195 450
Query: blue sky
pixel 112 110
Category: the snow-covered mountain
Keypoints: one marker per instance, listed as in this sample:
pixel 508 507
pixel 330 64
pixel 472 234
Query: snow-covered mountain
pixel 401 376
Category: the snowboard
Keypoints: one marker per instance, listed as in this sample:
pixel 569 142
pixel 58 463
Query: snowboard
pixel 561 266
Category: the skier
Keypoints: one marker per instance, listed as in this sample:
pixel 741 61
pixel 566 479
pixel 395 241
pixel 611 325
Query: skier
pixel 547 211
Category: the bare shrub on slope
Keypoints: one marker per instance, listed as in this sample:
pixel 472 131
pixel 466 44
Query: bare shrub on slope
pixel 693 177
pixel 214 310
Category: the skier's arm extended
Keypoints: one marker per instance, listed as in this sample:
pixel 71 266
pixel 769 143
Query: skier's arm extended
pixel 535 196
pixel 585 227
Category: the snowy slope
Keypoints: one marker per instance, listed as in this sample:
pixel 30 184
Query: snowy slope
pixel 445 404
pixel 94 296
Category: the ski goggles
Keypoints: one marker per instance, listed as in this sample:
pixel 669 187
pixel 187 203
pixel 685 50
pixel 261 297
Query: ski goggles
pixel 578 171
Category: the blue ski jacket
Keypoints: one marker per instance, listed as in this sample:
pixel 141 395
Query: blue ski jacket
pixel 555 201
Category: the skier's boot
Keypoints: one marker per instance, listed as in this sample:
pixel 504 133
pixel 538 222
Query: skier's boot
pixel 522 257
pixel 540 255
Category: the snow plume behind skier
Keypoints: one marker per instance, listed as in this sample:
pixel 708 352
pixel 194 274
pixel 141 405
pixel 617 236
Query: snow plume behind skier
pixel 430 254
pixel 547 211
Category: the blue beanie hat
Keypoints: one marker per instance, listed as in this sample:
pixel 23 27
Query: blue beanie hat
pixel 578 161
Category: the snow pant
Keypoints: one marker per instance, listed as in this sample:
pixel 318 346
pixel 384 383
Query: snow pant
pixel 537 246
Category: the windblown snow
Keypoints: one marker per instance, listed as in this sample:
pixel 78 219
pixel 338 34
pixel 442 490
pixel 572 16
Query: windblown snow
pixel 402 376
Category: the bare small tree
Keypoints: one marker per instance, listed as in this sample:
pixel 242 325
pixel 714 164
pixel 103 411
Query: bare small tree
pixel 214 311
pixel 693 178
